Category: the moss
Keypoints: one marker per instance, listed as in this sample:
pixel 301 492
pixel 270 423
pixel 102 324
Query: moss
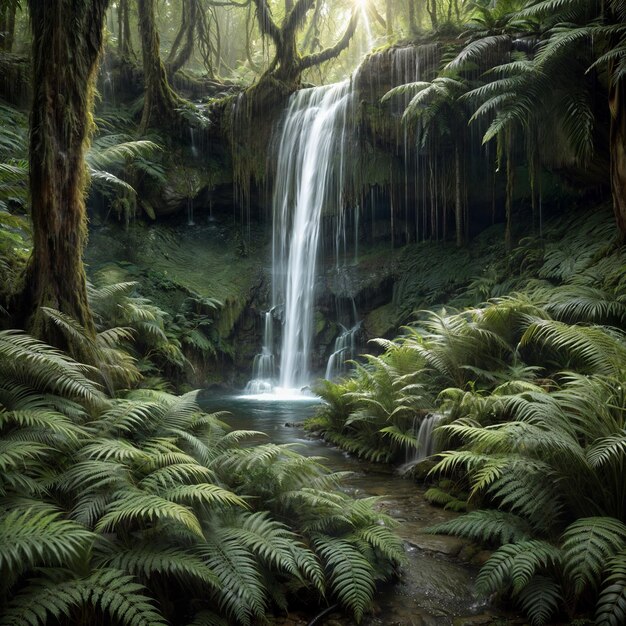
pixel 176 263
pixel 381 321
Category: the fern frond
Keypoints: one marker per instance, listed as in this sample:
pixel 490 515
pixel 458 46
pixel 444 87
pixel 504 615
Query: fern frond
pixel 109 590
pixel 611 606
pixel 541 598
pixel 515 564
pixel 149 558
pixel 203 493
pixel 130 506
pixel 351 576
pixel 241 592
pixel 608 450
pixel 40 537
pixel 486 526
pixel 587 545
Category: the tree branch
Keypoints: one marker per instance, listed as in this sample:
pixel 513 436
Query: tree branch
pixel 312 60
pixel 297 16
pixel 266 23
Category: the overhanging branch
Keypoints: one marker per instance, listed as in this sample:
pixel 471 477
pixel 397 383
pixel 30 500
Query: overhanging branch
pixel 297 16
pixel 266 22
pixel 312 60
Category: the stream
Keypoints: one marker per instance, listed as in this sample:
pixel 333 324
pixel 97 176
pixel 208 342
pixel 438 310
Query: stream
pixel 436 588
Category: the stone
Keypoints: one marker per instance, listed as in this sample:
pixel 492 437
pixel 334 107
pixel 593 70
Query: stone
pixel 450 546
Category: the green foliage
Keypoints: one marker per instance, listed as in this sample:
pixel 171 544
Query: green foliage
pixel 531 387
pixel 487 526
pixel 135 506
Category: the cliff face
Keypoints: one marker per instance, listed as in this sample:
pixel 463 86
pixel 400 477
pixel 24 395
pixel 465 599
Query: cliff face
pixel 211 222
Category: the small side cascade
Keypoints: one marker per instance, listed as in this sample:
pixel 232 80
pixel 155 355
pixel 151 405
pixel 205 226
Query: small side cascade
pixel 192 139
pixel 264 364
pixel 426 444
pixel 344 350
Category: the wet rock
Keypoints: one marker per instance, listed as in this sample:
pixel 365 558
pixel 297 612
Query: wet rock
pixel 476 620
pixel 451 546
pixel 481 557
pixel 419 471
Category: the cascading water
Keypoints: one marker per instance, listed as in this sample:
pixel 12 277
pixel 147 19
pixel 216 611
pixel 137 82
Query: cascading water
pixel 309 181
pixel 425 440
pixel 263 368
pixel 344 350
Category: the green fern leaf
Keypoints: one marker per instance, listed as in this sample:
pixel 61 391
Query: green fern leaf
pixel 486 526
pixel 611 606
pixel 587 544
pixel 514 564
pixel 129 506
pixel 540 598
pixel 351 576
pixel 30 537
pixel 109 590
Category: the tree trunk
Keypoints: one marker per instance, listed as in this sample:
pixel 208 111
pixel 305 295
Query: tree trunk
pixel 7 27
pixel 458 204
pixel 510 181
pixel 125 33
pixel 189 21
pixel 160 101
pixel 67 39
pixel 617 102
pixel 287 66
pixel 431 7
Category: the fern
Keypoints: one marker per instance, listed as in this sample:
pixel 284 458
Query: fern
pixel 273 543
pixel 587 545
pixel 108 590
pixel 608 450
pixel 30 537
pixel 152 558
pixel 350 574
pixel 486 526
pixel 129 506
pixel 515 564
pixel 611 606
pixel 541 598
pixel 241 591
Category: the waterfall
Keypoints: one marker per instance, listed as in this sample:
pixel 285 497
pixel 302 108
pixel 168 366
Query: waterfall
pixel 344 350
pixel 308 179
pixel 192 138
pixel 263 367
pixel 309 183
pixel 425 446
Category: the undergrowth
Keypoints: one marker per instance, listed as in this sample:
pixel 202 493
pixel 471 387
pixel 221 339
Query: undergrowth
pixel 528 378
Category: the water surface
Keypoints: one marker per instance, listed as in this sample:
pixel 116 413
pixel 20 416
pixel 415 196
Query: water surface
pixel 436 587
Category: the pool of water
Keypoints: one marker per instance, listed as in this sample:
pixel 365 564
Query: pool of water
pixel 436 588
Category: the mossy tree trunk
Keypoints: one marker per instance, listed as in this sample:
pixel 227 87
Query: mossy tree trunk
pixel 431 8
pixel 411 17
pixel 160 102
pixel 190 20
pixel 510 182
pixel 8 8
pixel 389 17
pixel 617 106
pixel 125 44
pixel 67 40
pixel 458 202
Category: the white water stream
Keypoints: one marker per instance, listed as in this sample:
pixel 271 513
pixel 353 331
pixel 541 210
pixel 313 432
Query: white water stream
pixel 309 181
